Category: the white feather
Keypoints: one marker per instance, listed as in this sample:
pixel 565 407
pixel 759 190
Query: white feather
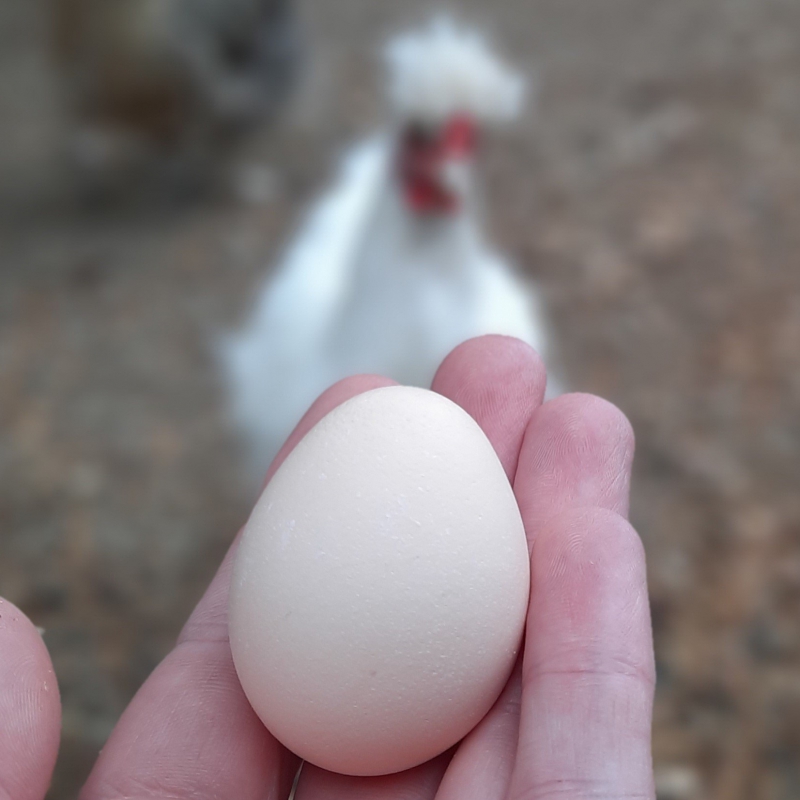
pixel 270 364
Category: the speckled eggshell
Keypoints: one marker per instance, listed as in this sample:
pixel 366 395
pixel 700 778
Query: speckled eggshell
pixel 380 587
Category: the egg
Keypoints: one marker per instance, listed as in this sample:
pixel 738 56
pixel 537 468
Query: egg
pixel 380 587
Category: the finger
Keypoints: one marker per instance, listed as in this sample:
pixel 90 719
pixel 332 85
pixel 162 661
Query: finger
pixel 30 709
pixel 190 732
pixel 577 450
pixel 499 381
pixel 588 675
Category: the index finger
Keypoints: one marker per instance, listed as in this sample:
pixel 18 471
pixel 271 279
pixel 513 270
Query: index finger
pixel 190 732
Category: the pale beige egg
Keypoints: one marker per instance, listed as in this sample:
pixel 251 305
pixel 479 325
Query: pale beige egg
pixel 381 584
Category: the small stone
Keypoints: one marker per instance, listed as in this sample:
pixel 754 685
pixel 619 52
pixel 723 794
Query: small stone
pixel 256 184
pixel 85 481
pixel 677 782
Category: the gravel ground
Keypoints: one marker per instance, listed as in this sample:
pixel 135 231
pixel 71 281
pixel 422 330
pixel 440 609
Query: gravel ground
pixel 655 196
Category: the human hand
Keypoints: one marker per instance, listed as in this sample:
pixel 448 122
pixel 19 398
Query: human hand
pixel 574 720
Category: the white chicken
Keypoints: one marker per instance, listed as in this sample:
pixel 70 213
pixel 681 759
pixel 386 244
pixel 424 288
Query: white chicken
pixel 391 269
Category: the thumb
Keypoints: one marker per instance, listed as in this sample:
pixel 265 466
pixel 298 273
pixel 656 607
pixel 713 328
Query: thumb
pixel 30 709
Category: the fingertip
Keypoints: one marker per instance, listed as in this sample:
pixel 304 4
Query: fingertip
pixel 23 649
pixel 481 351
pixel 499 381
pixel 585 422
pixel 478 366
pixel 30 707
pixel 577 452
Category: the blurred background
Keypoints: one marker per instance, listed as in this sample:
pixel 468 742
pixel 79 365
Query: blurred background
pixel 653 194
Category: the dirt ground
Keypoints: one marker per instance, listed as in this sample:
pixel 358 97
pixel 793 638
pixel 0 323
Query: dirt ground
pixel 654 193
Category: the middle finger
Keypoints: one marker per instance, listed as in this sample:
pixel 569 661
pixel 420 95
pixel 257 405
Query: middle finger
pixel 500 382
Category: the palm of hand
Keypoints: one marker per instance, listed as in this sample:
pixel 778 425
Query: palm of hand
pixel 574 720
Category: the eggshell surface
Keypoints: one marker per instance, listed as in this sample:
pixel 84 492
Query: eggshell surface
pixel 380 587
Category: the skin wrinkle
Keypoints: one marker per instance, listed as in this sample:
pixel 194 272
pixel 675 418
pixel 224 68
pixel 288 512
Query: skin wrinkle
pixel 572 432
pixel 216 682
pixel 567 689
pixel 209 623
pixel 589 663
pixel 586 790
pixel 615 764
pixel 199 785
pixel 617 621
pixel 626 669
